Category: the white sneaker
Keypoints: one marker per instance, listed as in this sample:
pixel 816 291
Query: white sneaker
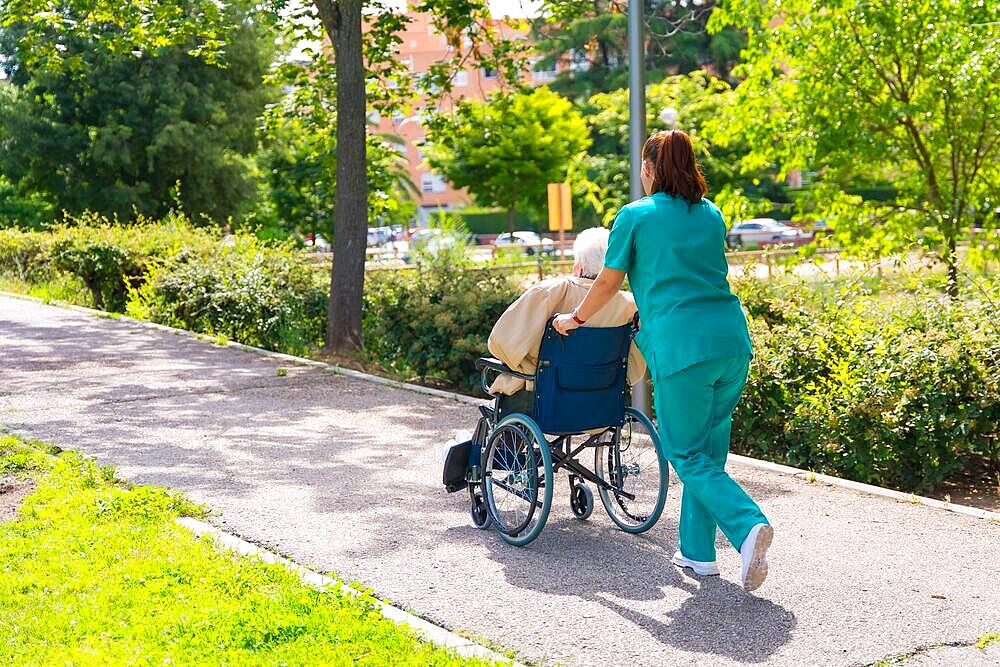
pixel 754 553
pixel 704 568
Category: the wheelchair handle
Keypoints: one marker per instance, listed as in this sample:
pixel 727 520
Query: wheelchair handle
pixel 486 365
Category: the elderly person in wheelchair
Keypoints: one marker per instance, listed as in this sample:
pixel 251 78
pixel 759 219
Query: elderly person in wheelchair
pixel 516 335
pixel 556 400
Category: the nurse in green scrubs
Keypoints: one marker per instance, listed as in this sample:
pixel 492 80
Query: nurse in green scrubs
pixel 693 335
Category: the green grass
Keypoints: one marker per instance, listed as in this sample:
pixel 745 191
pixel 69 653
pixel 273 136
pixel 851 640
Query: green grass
pixel 988 640
pixel 94 572
pixel 63 288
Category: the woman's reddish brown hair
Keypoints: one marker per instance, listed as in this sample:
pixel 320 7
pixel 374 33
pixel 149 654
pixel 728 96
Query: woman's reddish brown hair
pixel 674 167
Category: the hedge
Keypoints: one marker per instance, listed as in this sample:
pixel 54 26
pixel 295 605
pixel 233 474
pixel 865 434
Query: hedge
pixel 898 390
pixel 489 221
pixel 108 259
pixel 433 324
pixel 247 290
pixel 174 273
pixel 898 387
pixel 494 221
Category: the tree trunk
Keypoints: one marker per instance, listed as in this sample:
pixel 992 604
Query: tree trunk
pixel 510 220
pixel 342 21
pixel 951 261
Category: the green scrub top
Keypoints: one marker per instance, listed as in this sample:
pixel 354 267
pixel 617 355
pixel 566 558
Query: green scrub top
pixel 675 256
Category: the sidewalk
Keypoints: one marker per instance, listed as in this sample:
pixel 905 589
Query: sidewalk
pixel 343 475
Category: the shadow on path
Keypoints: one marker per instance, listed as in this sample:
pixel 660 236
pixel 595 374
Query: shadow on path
pixel 599 563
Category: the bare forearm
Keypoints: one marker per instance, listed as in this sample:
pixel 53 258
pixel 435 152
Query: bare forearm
pixel 604 288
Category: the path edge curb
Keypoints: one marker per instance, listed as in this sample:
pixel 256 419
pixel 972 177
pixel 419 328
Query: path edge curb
pixel 861 487
pixel 759 464
pixel 426 630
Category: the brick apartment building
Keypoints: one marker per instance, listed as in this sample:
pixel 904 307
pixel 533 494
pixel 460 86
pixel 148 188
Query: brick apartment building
pixel 422 46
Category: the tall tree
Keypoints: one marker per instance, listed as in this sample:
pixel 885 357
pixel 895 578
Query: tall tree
pixel 506 149
pixel 299 151
pixel 590 39
pixel 906 88
pixel 118 132
pixel 342 20
pixel 697 100
pixel 366 61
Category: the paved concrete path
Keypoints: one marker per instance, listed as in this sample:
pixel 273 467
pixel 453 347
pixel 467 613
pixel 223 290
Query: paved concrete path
pixel 344 475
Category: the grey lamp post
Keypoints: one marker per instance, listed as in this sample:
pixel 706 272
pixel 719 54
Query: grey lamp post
pixel 636 96
pixel 637 136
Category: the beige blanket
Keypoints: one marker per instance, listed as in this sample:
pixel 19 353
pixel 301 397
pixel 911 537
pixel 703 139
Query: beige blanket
pixel 517 334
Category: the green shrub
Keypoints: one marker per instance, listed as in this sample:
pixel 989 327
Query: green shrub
pixel 172 272
pixel 246 290
pixel 434 323
pixel 105 268
pixel 493 221
pixel 901 392
pixel 26 255
pixel 110 259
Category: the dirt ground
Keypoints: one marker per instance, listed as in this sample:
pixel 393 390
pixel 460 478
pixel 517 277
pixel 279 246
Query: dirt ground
pixel 983 497
pixel 13 491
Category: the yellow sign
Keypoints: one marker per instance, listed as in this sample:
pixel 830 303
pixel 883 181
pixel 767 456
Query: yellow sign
pixel 560 208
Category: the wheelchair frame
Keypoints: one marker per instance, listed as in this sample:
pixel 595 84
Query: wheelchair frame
pixel 560 453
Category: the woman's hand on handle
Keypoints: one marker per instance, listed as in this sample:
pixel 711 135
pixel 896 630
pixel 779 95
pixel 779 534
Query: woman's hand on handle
pixel 564 323
pixel 608 282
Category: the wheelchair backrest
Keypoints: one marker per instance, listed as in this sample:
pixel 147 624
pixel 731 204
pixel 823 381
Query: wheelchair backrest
pixel 580 381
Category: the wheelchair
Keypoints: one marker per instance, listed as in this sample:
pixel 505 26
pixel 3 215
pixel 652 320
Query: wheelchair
pixel 576 407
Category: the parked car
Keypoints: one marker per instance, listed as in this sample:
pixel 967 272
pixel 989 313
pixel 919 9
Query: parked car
pixel 762 231
pixel 529 241
pixel 378 236
pixel 822 227
pixel 422 235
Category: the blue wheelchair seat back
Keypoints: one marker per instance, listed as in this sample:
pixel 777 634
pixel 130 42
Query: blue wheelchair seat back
pixel 580 381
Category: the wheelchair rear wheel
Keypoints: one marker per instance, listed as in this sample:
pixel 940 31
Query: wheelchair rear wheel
pixel 517 479
pixel 631 463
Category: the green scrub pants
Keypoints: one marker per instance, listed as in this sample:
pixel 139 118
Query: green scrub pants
pixel 694 410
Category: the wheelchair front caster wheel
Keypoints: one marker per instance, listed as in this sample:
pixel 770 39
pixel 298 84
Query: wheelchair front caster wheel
pixel 479 512
pixel 581 501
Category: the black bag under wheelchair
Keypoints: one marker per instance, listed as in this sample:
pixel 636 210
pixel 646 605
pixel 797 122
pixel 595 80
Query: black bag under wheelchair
pixel 576 406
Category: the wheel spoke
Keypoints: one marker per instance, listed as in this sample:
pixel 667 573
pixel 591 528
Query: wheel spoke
pixel 630 467
pixel 512 479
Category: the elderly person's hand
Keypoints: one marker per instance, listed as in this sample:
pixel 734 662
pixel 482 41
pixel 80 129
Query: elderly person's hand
pixel 564 323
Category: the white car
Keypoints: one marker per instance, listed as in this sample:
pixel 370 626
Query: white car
pixel 530 241
pixel 761 231
pixel 379 236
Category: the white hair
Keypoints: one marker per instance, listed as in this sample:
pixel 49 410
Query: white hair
pixel 589 248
